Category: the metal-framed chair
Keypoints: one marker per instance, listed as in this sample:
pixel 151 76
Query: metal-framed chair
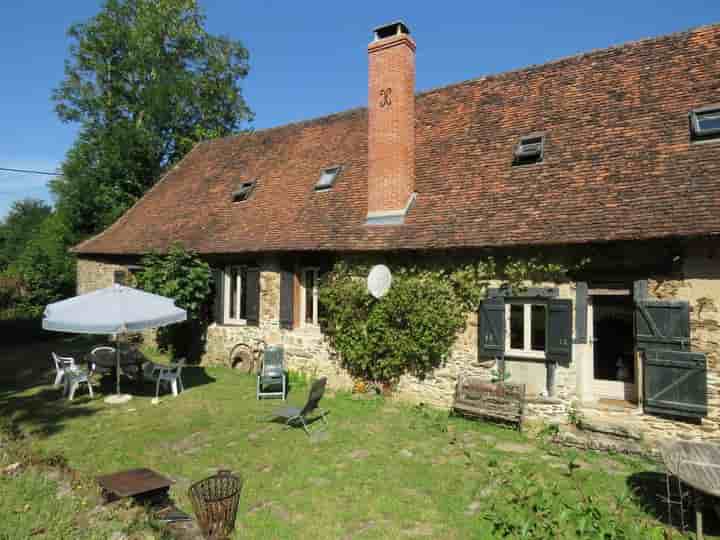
pixel 295 415
pixel 271 374
pixel 99 352
pixel 62 365
pixel 170 375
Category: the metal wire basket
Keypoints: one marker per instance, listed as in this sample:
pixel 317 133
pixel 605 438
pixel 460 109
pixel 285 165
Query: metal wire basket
pixel 215 503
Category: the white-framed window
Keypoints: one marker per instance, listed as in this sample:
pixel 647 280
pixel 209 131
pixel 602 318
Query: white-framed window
pixel 526 329
pixel 235 295
pixel 309 310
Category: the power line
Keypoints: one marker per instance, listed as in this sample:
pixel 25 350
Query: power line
pixel 28 171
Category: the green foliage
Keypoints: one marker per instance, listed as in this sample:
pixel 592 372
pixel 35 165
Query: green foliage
pixel 180 275
pixel 412 328
pixel 24 219
pixel 45 270
pixel 184 277
pixel 527 509
pixel 146 81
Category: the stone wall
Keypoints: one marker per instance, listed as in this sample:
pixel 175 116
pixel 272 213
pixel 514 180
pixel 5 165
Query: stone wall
pixel 95 274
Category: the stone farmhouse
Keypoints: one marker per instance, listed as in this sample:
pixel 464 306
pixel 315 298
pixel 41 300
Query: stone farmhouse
pixel 613 155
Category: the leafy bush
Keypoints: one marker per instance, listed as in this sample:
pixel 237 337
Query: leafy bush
pixel 184 277
pixel 412 328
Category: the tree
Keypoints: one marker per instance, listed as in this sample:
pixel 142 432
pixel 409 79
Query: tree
pixel 45 270
pixel 23 220
pixel 146 81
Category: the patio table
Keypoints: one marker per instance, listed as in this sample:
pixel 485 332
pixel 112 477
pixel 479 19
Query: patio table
pixel 697 464
pixel 131 363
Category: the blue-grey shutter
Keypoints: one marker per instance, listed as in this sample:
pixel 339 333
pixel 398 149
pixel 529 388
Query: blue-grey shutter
pixel 675 383
pixel 219 307
pixel 252 289
pixel 491 331
pixel 287 293
pixel 581 312
pixel 558 340
pixel 662 324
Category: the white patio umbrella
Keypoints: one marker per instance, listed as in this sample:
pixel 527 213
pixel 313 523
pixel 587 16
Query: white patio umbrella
pixel 113 310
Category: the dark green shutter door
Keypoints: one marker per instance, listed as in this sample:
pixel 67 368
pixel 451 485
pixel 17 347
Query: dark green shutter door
pixel 219 308
pixel 287 289
pixel 558 346
pixel 491 332
pixel 675 383
pixel 252 277
pixel 581 312
pixel 662 324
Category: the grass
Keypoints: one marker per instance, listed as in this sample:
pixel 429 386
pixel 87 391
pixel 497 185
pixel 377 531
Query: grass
pixel 383 469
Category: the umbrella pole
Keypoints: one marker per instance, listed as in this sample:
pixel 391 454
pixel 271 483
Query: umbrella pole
pixel 117 367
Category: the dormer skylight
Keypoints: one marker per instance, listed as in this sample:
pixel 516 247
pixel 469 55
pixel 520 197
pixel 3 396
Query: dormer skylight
pixel 244 192
pixel 529 149
pixel 328 177
pixel 705 123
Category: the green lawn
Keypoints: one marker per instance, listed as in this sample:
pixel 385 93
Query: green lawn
pixel 382 469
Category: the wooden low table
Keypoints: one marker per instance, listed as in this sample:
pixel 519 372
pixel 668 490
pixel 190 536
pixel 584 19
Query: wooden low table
pixel 143 483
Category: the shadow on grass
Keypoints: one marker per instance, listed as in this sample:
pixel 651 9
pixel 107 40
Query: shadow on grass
pixel 192 377
pixel 651 492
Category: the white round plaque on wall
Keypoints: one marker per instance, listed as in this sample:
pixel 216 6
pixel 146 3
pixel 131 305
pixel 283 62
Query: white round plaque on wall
pixel 379 280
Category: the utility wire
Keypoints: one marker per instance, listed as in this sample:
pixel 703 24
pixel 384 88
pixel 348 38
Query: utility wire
pixel 27 171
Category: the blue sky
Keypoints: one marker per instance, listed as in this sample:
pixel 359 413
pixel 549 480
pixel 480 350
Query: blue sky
pixel 308 58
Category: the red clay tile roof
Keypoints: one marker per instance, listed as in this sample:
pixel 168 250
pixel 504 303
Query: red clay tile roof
pixel 619 164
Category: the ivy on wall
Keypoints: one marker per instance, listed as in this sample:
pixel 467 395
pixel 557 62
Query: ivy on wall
pixel 413 327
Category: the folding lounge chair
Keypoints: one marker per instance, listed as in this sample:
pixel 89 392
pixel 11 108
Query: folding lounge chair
pixel 272 373
pixel 294 415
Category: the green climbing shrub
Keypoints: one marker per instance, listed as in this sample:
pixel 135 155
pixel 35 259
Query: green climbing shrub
pixel 413 327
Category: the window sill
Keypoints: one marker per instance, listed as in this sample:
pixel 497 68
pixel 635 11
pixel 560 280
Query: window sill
pixel 525 355
pixel 232 323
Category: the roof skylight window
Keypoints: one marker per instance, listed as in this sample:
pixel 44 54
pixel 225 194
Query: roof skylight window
pixel 705 123
pixel 327 178
pixel 529 149
pixel 244 192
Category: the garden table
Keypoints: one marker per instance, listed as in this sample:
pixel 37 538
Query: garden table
pixel 131 362
pixel 697 464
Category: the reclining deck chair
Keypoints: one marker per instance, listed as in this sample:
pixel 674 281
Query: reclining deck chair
pixel 272 373
pixel 295 415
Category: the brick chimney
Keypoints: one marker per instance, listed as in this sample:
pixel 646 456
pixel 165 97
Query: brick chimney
pixel 391 124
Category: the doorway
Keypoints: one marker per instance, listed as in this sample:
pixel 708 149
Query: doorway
pixel 613 339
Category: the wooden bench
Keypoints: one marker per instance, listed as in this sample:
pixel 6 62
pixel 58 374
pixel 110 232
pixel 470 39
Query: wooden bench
pixel 497 401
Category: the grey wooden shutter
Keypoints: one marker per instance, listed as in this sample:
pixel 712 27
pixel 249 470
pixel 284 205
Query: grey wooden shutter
pixel 675 383
pixel 491 331
pixel 558 338
pixel 287 290
pixel 581 312
pixel 662 324
pixel 252 289
pixel 219 307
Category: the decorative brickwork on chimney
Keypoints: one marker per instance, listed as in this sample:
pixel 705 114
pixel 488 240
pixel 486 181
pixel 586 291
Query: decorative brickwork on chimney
pixel 391 124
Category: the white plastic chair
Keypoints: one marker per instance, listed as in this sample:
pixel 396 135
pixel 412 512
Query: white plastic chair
pixel 62 364
pixel 73 378
pixel 169 375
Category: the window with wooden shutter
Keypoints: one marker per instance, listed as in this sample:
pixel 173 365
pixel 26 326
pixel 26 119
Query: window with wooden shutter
pixel 252 296
pixel 287 298
pixel 491 331
pixel 675 383
pixel 559 331
pixel 662 324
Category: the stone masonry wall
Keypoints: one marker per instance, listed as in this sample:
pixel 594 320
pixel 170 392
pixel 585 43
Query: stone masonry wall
pixel 93 275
